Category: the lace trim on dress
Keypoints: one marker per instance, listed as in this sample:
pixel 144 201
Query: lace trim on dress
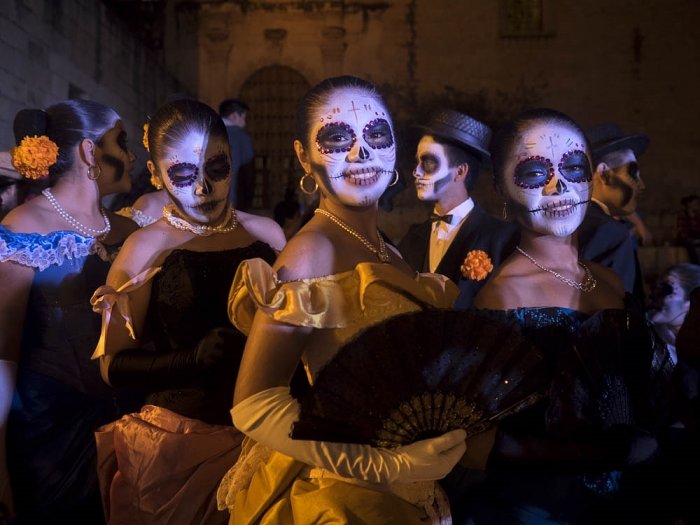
pixel 40 251
pixel 239 476
pixel 137 216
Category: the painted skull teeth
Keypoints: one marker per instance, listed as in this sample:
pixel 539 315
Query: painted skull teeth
pixel 559 208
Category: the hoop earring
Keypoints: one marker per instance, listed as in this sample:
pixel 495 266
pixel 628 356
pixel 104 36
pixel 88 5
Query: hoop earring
pixel 505 210
pixel 395 179
pixel 155 182
pixel 303 187
pixel 91 172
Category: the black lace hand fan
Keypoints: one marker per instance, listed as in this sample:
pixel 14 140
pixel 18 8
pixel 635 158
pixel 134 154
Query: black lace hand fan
pixel 616 372
pixel 420 375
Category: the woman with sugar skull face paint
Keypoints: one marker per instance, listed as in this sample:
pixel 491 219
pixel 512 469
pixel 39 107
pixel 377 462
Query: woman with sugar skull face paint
pixel 165 328
pixel 335 277
pixel 54 250
pixel 574 443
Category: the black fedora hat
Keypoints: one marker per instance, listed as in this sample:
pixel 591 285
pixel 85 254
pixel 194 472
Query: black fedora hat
pixel 608 137
pixel 461 129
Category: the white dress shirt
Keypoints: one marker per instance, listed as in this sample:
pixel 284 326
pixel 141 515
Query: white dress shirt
pixel 442 234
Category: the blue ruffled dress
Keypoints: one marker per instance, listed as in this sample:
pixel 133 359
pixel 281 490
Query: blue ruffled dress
pixel 60 398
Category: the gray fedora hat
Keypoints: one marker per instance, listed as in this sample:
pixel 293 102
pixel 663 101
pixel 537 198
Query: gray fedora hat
pixel 608 137
pixel 461 129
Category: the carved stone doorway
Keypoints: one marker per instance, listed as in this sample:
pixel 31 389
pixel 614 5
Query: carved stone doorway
pixel 272 93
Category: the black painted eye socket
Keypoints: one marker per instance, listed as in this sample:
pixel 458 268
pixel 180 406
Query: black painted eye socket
pixel 429 164
pixel 335 137
pixel 533 172
pixel 183 174
pixel 633 170
pixel 377 134
pixel 575 167
pixel 122 141
pixel 218 167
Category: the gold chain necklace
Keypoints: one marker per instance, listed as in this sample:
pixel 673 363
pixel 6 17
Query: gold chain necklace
pixel 228 225
pixel 588 284
pixel 382 253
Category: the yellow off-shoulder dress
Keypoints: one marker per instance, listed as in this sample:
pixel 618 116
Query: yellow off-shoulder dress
pixel 277 489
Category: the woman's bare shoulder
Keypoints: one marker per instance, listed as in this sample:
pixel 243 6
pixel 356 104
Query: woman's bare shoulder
pixel 263 228
pixel 310 253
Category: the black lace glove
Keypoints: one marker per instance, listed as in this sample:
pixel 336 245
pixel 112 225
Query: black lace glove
pixel 134 368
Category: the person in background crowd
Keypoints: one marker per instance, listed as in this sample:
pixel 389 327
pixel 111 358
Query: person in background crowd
pixel 54 250
pixel 235 112
pixel 617 185
pixel 688 224
pixel 670 301
pixel 162 465
pixel 449 157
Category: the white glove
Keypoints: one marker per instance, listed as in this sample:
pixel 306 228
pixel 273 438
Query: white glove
pixel 268 416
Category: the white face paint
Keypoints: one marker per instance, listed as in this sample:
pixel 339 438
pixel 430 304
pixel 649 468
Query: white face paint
pixel 548 179
pixel 669 305
pixel 626 184
pixel 197 175
pixel 433 176
pixel 352 147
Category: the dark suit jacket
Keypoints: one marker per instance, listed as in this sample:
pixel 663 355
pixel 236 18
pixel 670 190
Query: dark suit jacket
pixel 479 231
pixel 606 241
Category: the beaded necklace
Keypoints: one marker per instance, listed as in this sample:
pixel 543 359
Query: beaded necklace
pixel 382 253
pixel 85 230
pixel 229 224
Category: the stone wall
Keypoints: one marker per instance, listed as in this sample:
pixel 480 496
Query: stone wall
pixel 51 50
pixel 626 61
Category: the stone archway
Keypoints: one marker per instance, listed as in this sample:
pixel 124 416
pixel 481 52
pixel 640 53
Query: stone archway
pixel 272 93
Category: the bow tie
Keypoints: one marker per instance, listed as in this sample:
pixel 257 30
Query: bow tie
pixel 445 218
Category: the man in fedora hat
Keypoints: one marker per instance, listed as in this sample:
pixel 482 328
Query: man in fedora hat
pixel 11 184
pixel 617 184
pixel 451 151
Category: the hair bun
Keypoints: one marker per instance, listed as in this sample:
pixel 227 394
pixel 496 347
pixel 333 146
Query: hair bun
pixel 29 122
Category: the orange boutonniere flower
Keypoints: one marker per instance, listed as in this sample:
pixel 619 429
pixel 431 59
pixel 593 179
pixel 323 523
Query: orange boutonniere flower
pixel 477 265
pixel 34 156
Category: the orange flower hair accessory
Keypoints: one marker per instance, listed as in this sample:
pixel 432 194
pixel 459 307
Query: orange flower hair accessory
pixel 145 137
pixel 477 265
pixel 34 156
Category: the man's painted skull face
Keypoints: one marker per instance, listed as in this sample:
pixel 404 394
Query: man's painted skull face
pixel 433 175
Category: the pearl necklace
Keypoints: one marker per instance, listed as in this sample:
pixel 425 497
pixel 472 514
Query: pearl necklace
pixel 85 230
pixel 382 253
pixel 228 225
pixel 588 284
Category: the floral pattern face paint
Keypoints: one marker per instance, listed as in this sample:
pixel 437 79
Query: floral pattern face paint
pixel 548 180
pixel 433 176
pixel 198 176
pixel 354 151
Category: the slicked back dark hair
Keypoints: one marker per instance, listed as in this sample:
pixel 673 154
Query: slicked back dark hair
pixel 174 120
pixel 457 155
pixel 232 105
pixel 65 123
pixel 505 139
pixel 319 94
